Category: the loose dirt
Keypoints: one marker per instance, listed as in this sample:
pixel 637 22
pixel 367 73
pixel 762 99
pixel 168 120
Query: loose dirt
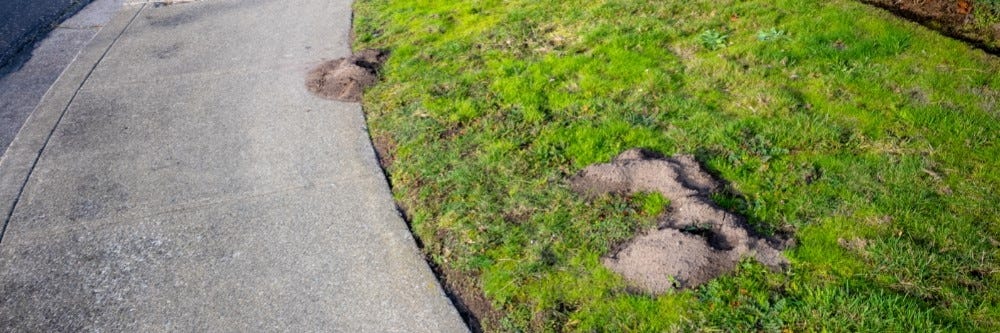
pixel 696 241
pixel 345 79
pixel 954 18
pixel 384 147
pixel 953 12
pixel 468 299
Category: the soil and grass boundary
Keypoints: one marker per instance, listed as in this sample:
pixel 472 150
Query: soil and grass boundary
pixel 474 308
pixel 976 22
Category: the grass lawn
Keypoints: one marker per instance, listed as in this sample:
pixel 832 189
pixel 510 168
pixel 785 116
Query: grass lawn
pixel 872 139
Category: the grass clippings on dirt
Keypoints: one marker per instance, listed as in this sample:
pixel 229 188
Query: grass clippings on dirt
pixel 870 138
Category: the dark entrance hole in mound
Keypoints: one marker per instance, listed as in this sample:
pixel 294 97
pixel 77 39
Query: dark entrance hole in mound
pixel 697 241
pixel 345 79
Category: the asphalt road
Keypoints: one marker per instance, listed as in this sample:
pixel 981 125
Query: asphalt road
pixel 36 67
pixel 24 21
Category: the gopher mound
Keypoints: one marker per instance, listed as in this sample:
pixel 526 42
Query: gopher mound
pixel 345 79
pixel 696 241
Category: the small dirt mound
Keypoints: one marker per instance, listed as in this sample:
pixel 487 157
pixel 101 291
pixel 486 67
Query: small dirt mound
pixel 345 79
pixel 696 241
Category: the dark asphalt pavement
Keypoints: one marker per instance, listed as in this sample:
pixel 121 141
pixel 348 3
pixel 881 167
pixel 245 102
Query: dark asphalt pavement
pixel 24 21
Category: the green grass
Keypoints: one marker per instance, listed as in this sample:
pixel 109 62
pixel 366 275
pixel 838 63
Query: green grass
pixel 872 138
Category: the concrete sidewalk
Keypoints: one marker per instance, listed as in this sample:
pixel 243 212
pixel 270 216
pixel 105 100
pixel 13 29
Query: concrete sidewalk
pixel 24 82
pixel 179 177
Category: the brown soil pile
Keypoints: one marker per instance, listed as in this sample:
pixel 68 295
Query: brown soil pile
pixel 696 242
pixel 951 11
pixel 973 21
pixel 345 79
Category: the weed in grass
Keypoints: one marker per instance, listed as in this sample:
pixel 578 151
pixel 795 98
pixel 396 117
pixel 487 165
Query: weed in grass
pixel 770 35
pixel 712 39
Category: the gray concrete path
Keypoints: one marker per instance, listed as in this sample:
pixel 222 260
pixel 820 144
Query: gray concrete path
pixel 22 84
pixel 179 177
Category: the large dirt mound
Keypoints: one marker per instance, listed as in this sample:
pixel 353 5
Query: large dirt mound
pixel 345 79
pixel 696 241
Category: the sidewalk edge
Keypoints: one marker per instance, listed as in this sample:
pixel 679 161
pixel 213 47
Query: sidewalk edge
pixel 29 143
